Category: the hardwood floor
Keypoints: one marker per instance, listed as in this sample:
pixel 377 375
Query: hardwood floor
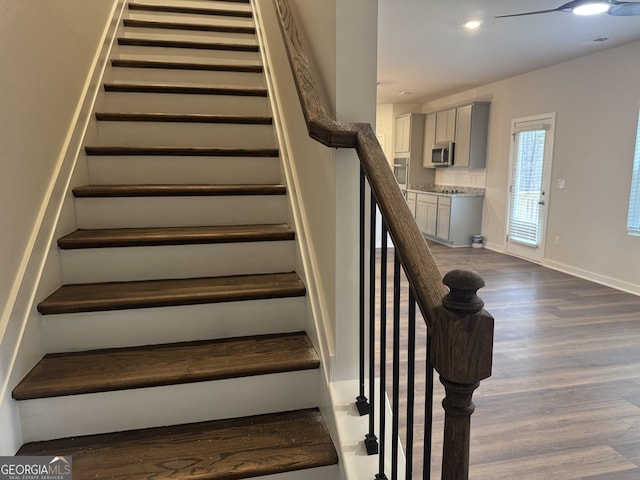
pixel 564 398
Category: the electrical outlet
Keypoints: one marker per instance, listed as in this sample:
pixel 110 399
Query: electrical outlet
pixel 561 183
pixel 556 240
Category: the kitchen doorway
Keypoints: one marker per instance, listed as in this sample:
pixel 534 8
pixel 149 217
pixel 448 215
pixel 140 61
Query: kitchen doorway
pixel 529 183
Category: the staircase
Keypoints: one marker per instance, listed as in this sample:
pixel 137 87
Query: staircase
pixel 178 343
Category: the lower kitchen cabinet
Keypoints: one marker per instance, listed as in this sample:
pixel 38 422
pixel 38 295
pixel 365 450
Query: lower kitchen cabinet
pixel 449 219
pixel 443 223
pixel 427 213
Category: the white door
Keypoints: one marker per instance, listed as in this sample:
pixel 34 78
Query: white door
pixel 530 177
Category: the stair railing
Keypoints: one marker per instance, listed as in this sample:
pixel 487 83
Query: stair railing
pixel 459 331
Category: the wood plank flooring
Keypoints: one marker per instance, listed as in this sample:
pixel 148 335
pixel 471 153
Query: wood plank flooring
pixel 564 399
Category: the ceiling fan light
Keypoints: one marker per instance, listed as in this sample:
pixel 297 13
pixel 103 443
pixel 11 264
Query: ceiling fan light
pixel 591 8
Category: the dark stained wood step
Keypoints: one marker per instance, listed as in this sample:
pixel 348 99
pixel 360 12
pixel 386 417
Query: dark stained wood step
pixel 218 12
pixel 161 64
pixel 183 89
pixel 184 118
pixel 221 449
pixel 177 190
pixel 131 22
pixel 190 10
pixel 91 297
pixel 182 151
pixel 137 237
pixel 150 42
pixel 93 371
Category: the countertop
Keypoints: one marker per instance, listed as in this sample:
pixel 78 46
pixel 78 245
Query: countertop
pixel 448 190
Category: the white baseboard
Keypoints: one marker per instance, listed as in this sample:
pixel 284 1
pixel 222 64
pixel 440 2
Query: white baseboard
pixel 593 277
pixel 579 272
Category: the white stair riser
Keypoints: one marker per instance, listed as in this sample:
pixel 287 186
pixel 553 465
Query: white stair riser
pixel 143 326
pixel 320 473
pixel 192 35
pixel 176 261
pixel 131 170
pixel 189 77
pixel 179 211
pixel 191 18
pixel 48 418
pixel 184 54
pixel 131 102
pixel 185 134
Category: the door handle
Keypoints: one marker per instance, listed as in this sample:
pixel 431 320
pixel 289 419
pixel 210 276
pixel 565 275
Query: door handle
pixel 541 202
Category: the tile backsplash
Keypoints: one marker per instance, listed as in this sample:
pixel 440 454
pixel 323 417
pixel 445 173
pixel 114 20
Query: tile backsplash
pixel 462 177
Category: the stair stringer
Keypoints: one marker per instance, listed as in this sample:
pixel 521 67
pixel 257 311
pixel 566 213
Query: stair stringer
pixel 337 407
pixel 20 337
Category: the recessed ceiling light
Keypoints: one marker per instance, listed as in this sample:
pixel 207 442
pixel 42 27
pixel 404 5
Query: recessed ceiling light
pixel 405 93
pixel 472 24
pixel 591 8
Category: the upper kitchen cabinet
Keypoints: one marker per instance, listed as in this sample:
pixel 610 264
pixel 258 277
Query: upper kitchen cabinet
pixel 472 124
pixel 409 142
pixel 402 134
pixel 446 126
pixel 429 139
pixel 408 134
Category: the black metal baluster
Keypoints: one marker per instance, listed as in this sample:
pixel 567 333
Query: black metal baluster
pixel 428 413
pixel 361 400
pixel 411 383
pixel 383 351
pixel 396 367
pixel 371 441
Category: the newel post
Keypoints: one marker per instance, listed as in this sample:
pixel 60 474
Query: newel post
pixel 462 351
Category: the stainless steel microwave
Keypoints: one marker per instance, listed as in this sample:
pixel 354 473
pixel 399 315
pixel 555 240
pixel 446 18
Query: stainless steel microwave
pixel 442 154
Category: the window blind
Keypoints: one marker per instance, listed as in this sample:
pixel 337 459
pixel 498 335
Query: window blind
pixel 633 218
pixel 526 186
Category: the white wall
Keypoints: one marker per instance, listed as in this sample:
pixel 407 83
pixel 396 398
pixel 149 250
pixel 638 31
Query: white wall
pixel 596 101
pixel 46 49
pixel 338 34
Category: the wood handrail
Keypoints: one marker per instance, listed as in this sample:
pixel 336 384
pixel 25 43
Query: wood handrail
pixel 423 275
pixel 461 330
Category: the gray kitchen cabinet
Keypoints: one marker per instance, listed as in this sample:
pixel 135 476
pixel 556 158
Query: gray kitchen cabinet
pixel 427 213
pixel 429 139
pixel 444 218
pixel 411 201
pixel 472 125
pixel 448 219
pixel 446 126
pixel 402 143
pixel 409 142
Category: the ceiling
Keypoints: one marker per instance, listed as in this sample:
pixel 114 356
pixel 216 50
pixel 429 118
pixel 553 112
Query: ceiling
pixel 424 51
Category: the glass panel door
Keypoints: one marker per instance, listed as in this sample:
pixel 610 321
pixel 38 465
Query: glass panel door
pixel 529 184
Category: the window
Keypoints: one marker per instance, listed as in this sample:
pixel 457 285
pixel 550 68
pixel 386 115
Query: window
pixel 633 219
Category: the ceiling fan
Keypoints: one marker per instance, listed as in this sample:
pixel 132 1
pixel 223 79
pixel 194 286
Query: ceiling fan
pixel 590 7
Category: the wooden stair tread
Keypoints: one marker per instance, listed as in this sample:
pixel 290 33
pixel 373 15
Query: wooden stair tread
pixel 221 449
pixel 90 297
pixel 135 237
pixel 131 22
pixel 94 371
pixel 145 7
pixel 182 151
pixel 184 118
pixel 163 64
pixel 183 89
pixel 151 42
pixel 177 190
